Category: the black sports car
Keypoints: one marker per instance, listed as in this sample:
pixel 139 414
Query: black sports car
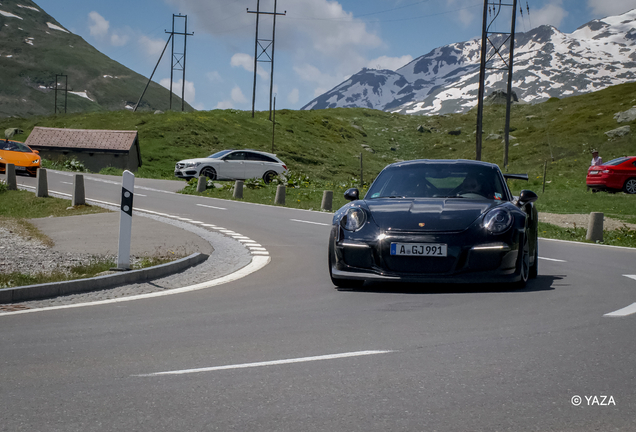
pixel 436 221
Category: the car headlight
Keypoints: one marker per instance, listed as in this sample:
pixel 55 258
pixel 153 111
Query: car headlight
pixel 354 219
pixel 35 161
pixel 497 221
pixel 192 164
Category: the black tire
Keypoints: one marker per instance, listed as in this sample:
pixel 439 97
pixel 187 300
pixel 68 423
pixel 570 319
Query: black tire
pixel 343 283
pixel 208 172
pixel 534 269
pixel 630 186
pixel 269 176
pixel 523 264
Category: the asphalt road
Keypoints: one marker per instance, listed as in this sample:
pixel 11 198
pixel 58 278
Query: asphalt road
pixel 282 350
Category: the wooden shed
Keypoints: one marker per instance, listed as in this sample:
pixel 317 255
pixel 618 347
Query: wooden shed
pixel 96 149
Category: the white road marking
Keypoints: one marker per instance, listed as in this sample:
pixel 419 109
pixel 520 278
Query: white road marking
pixel 209 225
pixel 256 248
pixel 67 183
pixel 551 259
pixel 257 263
pixel 212 207
pixel 260 253
pixel 246 240
pixel 267 363
pixel 309 222
pixel 138 194
pixel 629 310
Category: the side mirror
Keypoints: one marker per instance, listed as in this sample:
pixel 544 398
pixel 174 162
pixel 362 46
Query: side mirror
pixel 526 197
pixel 36 152
pixel 352 194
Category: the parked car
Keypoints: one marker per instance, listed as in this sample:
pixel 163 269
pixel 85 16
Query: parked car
pixel 19 154
pixel 232 165
pixel 436 221
pixel 613 176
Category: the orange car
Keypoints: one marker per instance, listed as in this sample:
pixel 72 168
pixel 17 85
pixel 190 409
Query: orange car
pixel 19 154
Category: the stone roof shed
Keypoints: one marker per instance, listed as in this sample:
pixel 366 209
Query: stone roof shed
pixel 96 149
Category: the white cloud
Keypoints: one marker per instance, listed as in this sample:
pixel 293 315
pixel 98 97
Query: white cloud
pixel 237 95
pixel 98 26
pixel 323 81
pixel 176 88
pixel 117 39
pixel 603 8
pixel 550 14
pixel 246 61
pixel 390 63
pixel 226 104
pixel 293 96
pixel 151 46
pixel 214 76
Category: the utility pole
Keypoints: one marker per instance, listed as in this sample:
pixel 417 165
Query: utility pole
pixel 264 45
pixel 178 62
pixel 58 108
pixel 497 46
pixel 274 124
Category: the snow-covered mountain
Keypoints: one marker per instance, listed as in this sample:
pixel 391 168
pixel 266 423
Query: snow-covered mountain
pixel 548 63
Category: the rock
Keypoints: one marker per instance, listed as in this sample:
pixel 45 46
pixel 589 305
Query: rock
pixel 626 116
pixel 369 149
pixel 530 117
pixel 422 129
pixel 499 97
pixel 618 132
pixel 493 137
pixel 359 129
pixel 393 149
pixel 455 132
pixel 158 112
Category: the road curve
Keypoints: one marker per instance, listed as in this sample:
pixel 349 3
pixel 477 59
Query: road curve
pixel 282 350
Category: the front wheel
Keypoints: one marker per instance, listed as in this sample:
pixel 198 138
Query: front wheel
pixel 630 186
pixel 208 172
pixel 524 264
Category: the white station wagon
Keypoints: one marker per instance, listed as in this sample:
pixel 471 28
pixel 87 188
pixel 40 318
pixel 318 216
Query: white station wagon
pixel 232 165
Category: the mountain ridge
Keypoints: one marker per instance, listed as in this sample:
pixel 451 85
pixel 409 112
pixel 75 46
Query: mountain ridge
pixel 36 47
pixel 548 63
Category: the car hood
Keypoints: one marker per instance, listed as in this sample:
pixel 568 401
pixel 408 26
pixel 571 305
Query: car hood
pixel 426 215
pixel 18 158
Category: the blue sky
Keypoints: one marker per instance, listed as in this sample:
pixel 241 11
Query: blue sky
pixel 319 43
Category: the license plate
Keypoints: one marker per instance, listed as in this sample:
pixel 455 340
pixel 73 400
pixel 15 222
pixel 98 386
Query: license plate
pixel 19 168
pixel 419 249
pixel 593 172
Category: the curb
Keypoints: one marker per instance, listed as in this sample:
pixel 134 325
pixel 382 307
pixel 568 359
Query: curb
pixel 43 291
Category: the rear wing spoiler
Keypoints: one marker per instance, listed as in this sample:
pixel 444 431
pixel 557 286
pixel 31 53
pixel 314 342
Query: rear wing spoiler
pixel 516 177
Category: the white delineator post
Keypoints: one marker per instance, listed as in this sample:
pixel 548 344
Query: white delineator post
pixel 125 220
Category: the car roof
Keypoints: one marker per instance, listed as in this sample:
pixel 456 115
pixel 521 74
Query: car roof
pixel 444 162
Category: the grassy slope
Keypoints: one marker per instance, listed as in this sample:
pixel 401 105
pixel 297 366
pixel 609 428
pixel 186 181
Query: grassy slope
pixel 56 52
pixel 326 144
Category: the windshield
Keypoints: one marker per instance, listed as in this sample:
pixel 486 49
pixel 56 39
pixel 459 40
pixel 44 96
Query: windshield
pixel 14 146
pixel 219 154
pixel 616 161
pixel 439 181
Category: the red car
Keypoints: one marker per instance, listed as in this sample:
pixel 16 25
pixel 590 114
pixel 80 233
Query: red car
pixel 613 176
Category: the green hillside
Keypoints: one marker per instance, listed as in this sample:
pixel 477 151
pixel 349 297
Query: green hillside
pixel 326 144
pixel 33 51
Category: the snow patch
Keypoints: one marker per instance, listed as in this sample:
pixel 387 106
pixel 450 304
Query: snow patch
pixel 82 94
pixel 128 107
pixel 9 14
pixel 56 27
pixel 29 7
pixel 29 40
